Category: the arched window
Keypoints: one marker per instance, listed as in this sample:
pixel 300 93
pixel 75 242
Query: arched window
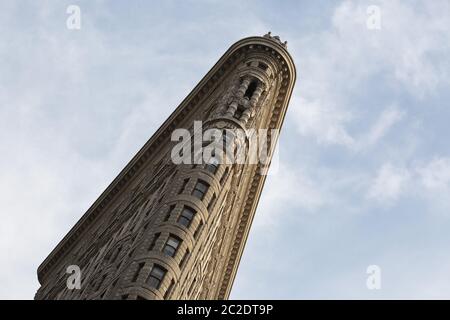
pixel 238 113
pixel 156 276
pixel 251 88
pixel 200 189
pixel 171 246
pixel 186 216
pixel 263 66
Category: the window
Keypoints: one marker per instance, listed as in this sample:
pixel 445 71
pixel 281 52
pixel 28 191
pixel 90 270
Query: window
pixel 169 212
pixel 169 290
pixel 156 276
pixel 185 257
pixel 152 244
pixel 172 245
pixel 185 182
pixel 197 231
pixel 224 176
pixel 251 88
pixel 192 286
pixel 263 66
pixel 238 113
pixel 186 217
pixel 227 139
pixel 138 270
pixel 211 203
pixel 212 165
pixel 200 189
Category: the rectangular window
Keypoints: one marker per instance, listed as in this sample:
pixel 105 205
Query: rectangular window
pixel 200 189
pixel 224 176
pixel 169 213
pixel 172 245
pixel 227 138
pixel 211 202
pixel 197 231
pixel 213 163
pixel 152 244
pixel 184 259
pixel 156 276
pixel 212 167
pixel 192 286
pixel 238 113
pixel 169 290
pixel 138 271
pixel 183 186
pixel 186 217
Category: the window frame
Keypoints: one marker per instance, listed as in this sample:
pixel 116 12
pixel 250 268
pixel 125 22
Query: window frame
pixel 170 249
pixel 198 192
pixel 155 278
pixel 183 216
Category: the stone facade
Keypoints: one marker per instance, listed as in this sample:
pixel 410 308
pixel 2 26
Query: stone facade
pixel 167 231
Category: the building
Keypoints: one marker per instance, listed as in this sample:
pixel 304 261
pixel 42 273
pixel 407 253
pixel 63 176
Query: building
pixel 164 230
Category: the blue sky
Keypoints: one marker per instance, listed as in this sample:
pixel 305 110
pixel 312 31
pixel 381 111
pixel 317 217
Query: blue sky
pixel 364 176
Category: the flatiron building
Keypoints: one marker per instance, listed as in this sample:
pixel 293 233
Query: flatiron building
pixel 168 230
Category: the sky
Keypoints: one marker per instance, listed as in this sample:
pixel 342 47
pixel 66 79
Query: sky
pixel 364 173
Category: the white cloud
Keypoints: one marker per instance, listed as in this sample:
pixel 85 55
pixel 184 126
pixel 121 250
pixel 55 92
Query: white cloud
pixel 389 183
pixel 316 118
pixel 436 174
pixel 409 45
pixel 408 54
pixel 434 187
pixel 429 181
pixel 293 187
pixel 389 117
